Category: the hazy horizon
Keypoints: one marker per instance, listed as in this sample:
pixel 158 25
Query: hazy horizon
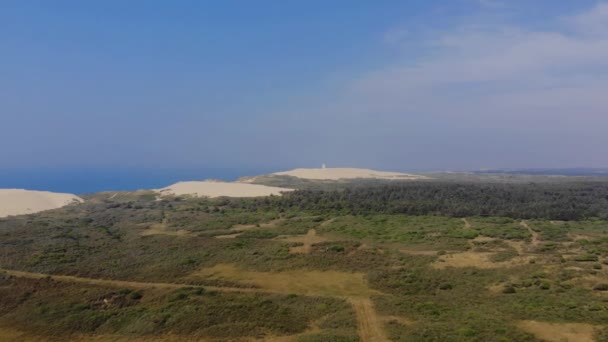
pixel 403 86
pixel 91 180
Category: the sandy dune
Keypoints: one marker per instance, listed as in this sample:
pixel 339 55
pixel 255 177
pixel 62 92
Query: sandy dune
pixel 347 173
pixel 219 189
pixel 22 202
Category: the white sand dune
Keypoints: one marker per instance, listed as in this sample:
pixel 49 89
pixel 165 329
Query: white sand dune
pixel 220 189
pixel 22 202
pixel 347 173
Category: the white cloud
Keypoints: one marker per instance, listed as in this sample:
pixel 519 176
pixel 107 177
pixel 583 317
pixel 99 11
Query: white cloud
pixel 594 22
pixel 497 61
pixel 493 95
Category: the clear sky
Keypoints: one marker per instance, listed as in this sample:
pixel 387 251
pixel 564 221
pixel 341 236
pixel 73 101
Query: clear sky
pixel 404 85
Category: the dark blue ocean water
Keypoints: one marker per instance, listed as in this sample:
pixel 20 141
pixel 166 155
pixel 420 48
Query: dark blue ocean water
pixel 83 181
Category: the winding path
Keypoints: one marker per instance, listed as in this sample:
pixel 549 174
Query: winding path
pixel 535 235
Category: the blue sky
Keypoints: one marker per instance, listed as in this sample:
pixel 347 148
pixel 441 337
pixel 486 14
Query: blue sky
pixel 404 85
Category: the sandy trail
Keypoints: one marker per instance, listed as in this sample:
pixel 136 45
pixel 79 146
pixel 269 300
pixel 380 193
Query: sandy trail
pixel 467 224
pixel 370 325
pixel 124 283
pixel 535 235
pixel 327 222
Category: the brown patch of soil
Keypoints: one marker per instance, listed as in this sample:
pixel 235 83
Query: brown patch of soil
pixel 496 288
pixel 313 329
pixel 578 237
pixel 559 332
pixel 228 236
pixel 13 335
pixel 478 260
pixel 318 283
pixel 417 252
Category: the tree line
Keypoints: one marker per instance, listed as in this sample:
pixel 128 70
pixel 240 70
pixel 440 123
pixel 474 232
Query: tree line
pixel 555 201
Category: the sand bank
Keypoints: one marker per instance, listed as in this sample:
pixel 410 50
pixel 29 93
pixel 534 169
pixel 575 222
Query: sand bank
pixel 347 173
pixel 22 202
pixel 220 189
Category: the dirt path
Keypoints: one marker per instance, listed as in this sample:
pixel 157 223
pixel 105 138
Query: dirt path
pixel 125 283
pixel 370 325
pixel 535 239
pixel 327 222
pixel 467 224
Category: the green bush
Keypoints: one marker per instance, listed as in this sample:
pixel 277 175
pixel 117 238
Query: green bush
pixel 586 258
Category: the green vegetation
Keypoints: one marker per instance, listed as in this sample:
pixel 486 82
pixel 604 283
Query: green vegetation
pixel 554 201
pixel 429 230
pixel 60 310
pixel 500 227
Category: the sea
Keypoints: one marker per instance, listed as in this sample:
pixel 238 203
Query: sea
pixel 91 180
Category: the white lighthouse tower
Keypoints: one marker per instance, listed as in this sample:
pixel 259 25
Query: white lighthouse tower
pixel 323 166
